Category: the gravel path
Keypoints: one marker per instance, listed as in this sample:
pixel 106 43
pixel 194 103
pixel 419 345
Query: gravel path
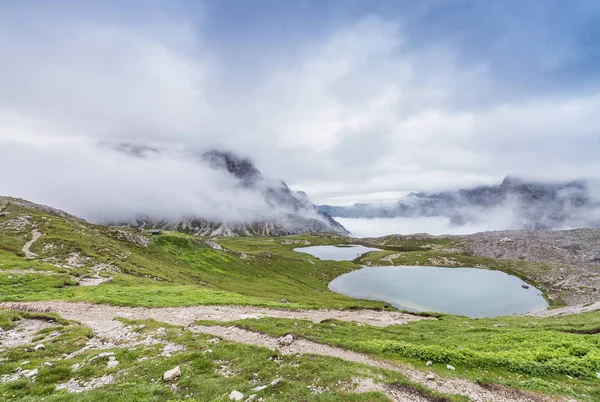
pixel 302 346
pixel 35 236
pixel 188 315
pixel 101 319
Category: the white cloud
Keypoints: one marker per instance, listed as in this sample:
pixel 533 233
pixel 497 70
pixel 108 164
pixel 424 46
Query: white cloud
pixel 347 116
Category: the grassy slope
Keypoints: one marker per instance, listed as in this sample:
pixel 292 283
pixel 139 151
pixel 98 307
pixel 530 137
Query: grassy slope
pixel 200 364
pixel 173 270
pixel 558 355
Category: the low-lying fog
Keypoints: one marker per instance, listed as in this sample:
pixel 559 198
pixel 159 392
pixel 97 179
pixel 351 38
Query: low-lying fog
pixel 437 225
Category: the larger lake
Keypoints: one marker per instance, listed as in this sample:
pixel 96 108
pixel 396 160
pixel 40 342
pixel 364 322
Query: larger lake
pixel 472 292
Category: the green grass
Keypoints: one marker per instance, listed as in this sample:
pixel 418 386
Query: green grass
pixel 173 270
pixel 138 375
pixel 540 354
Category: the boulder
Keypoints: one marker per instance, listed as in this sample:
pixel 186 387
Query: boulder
pixel 236 396
pixel 286 340
pixel 172 374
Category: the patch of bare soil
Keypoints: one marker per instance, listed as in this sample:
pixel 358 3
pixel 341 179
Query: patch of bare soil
pixel 22 334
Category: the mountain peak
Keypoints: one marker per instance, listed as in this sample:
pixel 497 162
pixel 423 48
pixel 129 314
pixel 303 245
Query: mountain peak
pixel 242 168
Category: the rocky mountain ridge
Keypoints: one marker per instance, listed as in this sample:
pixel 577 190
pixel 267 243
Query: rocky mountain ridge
pixel 524 204
pixel 293 211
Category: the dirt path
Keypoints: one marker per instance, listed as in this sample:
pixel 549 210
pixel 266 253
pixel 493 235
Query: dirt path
pixel 188 315
pixel 301 346
pixel 100 318
pixel 35 236
pixel 577 309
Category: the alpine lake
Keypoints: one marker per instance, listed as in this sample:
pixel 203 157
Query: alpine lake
pixel 471 292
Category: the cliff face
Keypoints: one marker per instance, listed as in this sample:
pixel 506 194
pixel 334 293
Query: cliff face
pixel 293 213
pixel 530 205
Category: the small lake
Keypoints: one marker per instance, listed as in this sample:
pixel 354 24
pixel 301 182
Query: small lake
pixel 336 253
pixel 471 292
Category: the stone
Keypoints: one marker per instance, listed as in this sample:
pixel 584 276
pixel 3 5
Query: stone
pixel 430 377
pixel 598 375
pixel 236 396
pixel 39 347
pixel 259 388
pixel 276 381
pixel 47 364
pixel 75 367
pixel 102 355
pixel 172 374
pixel 30 373
pixel 112 364
pixel 286 340
pixel 284 301
pixel 429 363
pixel 449 367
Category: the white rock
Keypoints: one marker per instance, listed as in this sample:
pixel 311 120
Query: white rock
pixel 236 396
pixel 429 363
pixel 430 377
pixel 449 367
pixel 47 364
pixel 276 381
pixel 213 340
pixel 102 355
pixel 39 347
pixel 75 367
pixel 286 340
pixel 208 351
pixel 172 374
pixel 598 375
pixel 25 362
pixel 112 364
pixel 30 373
pixel 259 388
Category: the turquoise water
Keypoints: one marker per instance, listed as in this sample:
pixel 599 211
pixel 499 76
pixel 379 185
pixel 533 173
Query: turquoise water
pixel 471 292
pixel 345 253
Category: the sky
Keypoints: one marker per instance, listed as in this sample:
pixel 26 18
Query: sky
pixel 347 100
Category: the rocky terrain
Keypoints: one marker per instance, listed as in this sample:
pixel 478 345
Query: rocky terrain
pixel 519 204
pixel 565 263
pixel 572 258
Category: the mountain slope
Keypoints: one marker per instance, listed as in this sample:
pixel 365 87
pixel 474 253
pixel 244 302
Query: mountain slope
pixel 68 254
pixel 289 212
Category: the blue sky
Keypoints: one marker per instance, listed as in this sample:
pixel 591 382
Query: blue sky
pixel 348 100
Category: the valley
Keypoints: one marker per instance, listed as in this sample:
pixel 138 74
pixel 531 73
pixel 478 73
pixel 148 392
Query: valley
pixel 254 316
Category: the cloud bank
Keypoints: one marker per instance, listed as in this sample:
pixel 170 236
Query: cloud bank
pixel 366 103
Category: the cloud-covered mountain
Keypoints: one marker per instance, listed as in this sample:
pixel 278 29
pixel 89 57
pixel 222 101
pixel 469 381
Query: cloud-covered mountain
pixel 513 204
pixel 286 212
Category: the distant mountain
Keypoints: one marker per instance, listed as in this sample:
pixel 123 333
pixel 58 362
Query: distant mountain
pixel 524 204
pixel 293 213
